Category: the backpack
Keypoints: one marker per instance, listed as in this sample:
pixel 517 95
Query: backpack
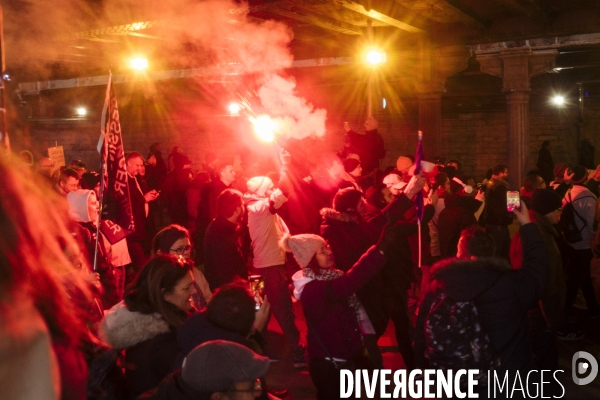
pixel 455 339
pixel 567 222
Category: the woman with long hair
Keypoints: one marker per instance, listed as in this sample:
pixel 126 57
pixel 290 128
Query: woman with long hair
pixel 176 240
pixel 41 333
pixel 146 322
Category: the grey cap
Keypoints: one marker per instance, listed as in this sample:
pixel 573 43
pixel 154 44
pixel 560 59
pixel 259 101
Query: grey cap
pixel 216 365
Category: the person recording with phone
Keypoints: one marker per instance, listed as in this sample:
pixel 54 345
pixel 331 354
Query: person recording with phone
pixel 231 316
pixel 496 216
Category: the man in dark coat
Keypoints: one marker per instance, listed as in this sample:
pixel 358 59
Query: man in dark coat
pixel 368 146
pixel 502 296
pixel 458 214
pixel 223 261
pixel 139 208
pixel 545 163
pixel 496 216
pixel 547 316
pixel 207 207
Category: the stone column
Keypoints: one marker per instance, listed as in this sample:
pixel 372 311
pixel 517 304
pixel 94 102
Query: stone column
pixel 516 66
pixel 436 65
pixel 517 137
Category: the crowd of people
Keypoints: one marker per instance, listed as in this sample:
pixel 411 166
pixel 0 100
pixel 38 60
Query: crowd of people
pixel 172 310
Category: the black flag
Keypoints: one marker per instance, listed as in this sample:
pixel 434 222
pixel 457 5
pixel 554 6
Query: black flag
pixel 117 217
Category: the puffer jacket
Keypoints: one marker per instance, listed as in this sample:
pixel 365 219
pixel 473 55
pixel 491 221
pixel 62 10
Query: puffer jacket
pixel 150 345
pixel 502 296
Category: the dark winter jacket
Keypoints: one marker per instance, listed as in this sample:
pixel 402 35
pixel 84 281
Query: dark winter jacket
pixel 174 188
pixel 552 300
pixel 223 260
pixel 150 345
pixel 216 188
pixel 502 297
pixel 173 388
pixel 495 203
pixel 197 330
pixel 301 211
pixel 545 164
pixel 349 239
pixel 328 313
pixel 458 214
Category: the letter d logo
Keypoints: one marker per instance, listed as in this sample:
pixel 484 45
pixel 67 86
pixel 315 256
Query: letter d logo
pixel 583 367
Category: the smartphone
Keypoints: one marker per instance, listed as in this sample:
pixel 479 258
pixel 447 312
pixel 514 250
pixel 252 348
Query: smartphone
pixel 513 200
pixel 256 285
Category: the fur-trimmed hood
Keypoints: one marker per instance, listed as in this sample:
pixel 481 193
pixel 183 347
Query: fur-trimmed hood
pixel 465 279
pixel 122 328
pixel 329 214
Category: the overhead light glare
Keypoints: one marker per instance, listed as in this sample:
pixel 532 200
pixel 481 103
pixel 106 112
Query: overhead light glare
pixel 139 63
pixel 375 57
pixel 558 100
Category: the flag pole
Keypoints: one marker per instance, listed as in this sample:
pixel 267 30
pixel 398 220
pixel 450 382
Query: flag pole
pixel 419 144
pixel 102 168
pixel 101 195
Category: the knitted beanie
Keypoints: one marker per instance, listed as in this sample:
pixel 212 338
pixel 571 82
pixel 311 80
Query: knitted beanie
pixel 544 201
pixel 259 185
pixel 303 247
pixel 350 164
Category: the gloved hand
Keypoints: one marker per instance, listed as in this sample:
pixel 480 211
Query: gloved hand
pixel 387 239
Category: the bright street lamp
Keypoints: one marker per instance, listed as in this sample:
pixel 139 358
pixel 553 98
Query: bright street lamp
pixel 558 100
pixel 138 63
pixel 375 57
pixel 234 108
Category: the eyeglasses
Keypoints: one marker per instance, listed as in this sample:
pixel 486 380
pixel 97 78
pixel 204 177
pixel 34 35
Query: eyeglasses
pixel 182 250
pixel 256 389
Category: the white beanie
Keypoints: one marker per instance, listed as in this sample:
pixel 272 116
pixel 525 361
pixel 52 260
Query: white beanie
pixel 259 185
pixel 304 247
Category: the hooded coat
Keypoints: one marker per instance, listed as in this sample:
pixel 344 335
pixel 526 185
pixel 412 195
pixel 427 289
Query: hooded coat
pixel 266 228
pixel 150 344
pixel 332 323
pixel 85 231
pixel 502 297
